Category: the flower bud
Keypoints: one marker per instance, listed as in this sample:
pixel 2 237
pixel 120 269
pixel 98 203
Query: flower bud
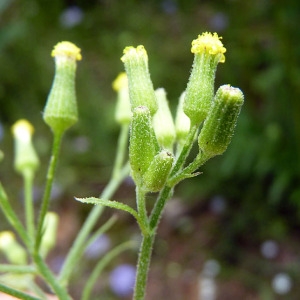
pixel 143 144
pixel 182 121
pixel 218 128
pixel 158 171
pixel 163 124
pixel 209 51
pixel 61 108
pixel 123 111
pixel 141 90
pixel 13 251
pixel 49 235
pixel 26 158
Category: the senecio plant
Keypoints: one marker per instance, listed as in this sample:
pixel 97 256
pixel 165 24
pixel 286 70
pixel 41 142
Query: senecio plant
pixel 159 147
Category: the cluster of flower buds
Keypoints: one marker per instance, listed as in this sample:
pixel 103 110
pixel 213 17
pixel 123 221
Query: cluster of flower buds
pixel 153 132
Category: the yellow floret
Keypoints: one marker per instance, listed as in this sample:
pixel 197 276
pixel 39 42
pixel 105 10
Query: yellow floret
pixel 23 130
pixel 67 49
pixel 130 51
pixel 120 82
pixel 209 43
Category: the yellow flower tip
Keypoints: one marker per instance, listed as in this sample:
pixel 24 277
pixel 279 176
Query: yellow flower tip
pixel 209 43
pixel 120 82
pixel 22 130
pixel 67 49
pixel 6 237
pixel 131 52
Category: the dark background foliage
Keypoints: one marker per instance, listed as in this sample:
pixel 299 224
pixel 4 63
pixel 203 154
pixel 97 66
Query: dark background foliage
pixel 257 178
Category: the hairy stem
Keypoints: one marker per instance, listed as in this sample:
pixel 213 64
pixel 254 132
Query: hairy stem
pixel 48 188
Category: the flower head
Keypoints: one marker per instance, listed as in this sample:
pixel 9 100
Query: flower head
pixel 22 130
pixel 61 108
pixel 209 43
pixel 26 158
pixel 138 52
pixel 66 49
pixel 141 89
pixel 120 82
pixel 123 110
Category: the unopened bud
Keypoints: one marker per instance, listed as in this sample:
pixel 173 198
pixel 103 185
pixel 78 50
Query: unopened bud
pixel 182 121
pixel 123 111
pixel 163 124
pixel 218 128
pixel 141 90
pixel 26 158
pixel 13 251
pixel 61 108
pixel 49 235
pixel 143 144
pixel 158 171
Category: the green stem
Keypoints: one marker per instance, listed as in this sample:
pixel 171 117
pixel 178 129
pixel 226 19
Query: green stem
pixel 143 266
pixel 101 265
pixel 15 293
pixel 80 242
pixel 148 239
pixel 47 193
pixel 29 211
pixel 19 269
pixel 185 150
pixel 164 195
pixel 49 278
pixel 141 205
pixel 200 159
pixel 120 155
pixel 104 228
pixel 12 217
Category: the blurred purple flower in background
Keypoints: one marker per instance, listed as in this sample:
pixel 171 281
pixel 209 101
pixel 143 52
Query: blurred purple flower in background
pixel 98 247
pixel 217 204
pixel 122 280
pixel 269 249
pixel 169 7
pixel 282 283
pixel 71 17
pixel 219 22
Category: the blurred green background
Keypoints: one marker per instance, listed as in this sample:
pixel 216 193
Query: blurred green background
pixel 256 182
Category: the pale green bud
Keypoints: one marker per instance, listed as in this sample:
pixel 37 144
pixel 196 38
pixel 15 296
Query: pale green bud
pixel 61 108
pixel 182 121
pixel 26 158
pixel 156 175
pixel 218 128
pixel 13 251
pixel 209 51
pixel 49 235
pixel 163 124
pixel 141 90
pixel 143 145
pixel 123 110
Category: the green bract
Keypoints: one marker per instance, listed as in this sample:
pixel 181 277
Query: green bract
pixel 140 85
pixel 182 122
pixel 163 122
pixel 158 171
pixel 219 126
pixel 209 51
pixel 143 144
pixel 61 108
